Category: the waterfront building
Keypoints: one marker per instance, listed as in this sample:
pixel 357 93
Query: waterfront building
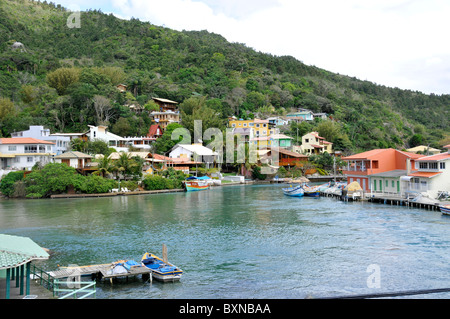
pixel 380 170
pixel 194 153
pixel 74 159
pixel 41 133
pixel 432 176
pixel 16 255
pixel 22 153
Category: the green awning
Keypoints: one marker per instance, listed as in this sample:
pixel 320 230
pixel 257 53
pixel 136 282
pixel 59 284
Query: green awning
pixel 16 251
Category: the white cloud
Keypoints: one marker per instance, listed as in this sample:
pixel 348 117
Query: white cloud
pixel 399 43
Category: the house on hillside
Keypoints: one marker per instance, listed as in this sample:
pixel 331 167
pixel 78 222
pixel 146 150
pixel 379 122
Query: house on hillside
pixel 380 170
pixel 424 150
pixel 432 174
pixel 281 140
pixel 101 133
pixel 41 133
pixel 155 131
pixel 22 153
pixel 313 144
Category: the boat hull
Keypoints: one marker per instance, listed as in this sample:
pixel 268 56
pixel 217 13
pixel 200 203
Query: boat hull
pixel 294 191
pixel 196 186
pixel 161 271
pixel 445 210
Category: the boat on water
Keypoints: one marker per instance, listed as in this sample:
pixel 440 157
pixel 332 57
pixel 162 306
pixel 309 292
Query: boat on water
pixel 194 184
pixel 311 191
pixel 294 191
pixel 161 270
pixel 445 209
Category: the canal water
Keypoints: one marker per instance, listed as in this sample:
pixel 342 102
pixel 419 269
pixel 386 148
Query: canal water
pixel 243 242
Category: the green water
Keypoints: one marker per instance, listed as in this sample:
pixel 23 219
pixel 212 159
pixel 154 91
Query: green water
pixel 242 242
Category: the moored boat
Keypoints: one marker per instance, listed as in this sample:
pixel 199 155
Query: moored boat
pixel 161 270
pixel 445 209
pixel 294 191
pixel 194 184
pixel 311 191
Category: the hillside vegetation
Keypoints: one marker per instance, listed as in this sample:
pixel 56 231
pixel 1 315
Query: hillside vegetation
pixel 65 78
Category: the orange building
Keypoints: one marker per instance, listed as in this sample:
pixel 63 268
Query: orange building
pixel 375 170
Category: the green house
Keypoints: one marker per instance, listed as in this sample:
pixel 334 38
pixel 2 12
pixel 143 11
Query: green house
pixel 281 140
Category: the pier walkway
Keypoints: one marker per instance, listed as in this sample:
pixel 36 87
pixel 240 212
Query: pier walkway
pixel 98 271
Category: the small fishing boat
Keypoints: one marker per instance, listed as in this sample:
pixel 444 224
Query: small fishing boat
pixel 311 191
pixel 161 270
pixel 445 209
pixel 194 184
pixel 294 191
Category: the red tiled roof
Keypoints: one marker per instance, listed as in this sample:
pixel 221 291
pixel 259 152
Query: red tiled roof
pixel 23 140
pixel 425 174
pixel 153 130
pixel 437 157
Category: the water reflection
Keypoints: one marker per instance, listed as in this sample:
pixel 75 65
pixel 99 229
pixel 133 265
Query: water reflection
pixel 241 242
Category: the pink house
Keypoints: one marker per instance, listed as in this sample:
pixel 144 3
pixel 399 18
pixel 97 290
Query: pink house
pixel 380 170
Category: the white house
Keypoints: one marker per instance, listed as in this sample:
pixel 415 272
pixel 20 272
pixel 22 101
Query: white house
pixel 41 133
pixel 22 153
pixel 113 140
pixel 432 175
pixel 194 152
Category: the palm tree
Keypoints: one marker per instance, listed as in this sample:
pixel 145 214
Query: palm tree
pixel 105 166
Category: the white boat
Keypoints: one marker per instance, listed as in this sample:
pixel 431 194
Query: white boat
pixel 445 209
pixel 294 191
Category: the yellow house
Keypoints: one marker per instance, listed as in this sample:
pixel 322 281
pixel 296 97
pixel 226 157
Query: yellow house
pixel 312 143
pixel 261 130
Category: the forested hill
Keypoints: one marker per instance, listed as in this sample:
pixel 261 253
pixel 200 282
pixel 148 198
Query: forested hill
pixel 65 78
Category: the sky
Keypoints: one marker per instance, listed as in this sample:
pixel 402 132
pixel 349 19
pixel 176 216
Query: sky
pixel 396 43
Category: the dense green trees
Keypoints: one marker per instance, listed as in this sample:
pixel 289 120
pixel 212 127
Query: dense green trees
pixel 58 78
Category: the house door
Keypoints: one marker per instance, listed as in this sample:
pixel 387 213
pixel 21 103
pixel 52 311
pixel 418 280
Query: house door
pixel 66 161
pixel 80 163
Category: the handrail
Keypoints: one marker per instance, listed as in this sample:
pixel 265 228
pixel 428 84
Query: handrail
pixel 52 284
pixel 74 292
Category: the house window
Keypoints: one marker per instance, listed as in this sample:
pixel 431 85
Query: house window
pixel 375 164
pixel 433 165
pixel 306 140
pixel 30 159
pixel 245 124
pixel 257 125
pixel 31 149
pixel 423 165
pixel 442 165
pixel 16 159
pixel 393 184
pixel 12 148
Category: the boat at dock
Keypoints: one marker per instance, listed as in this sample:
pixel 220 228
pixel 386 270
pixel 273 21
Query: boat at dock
pixel 161 270
pixel 311 191
pixel 194 184
pixel 445 209
pixel 294 191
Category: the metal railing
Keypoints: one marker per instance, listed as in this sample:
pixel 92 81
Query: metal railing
pixel 75 291
pixel 54 285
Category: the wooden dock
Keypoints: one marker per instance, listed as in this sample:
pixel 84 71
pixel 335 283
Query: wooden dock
pixel 98 272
